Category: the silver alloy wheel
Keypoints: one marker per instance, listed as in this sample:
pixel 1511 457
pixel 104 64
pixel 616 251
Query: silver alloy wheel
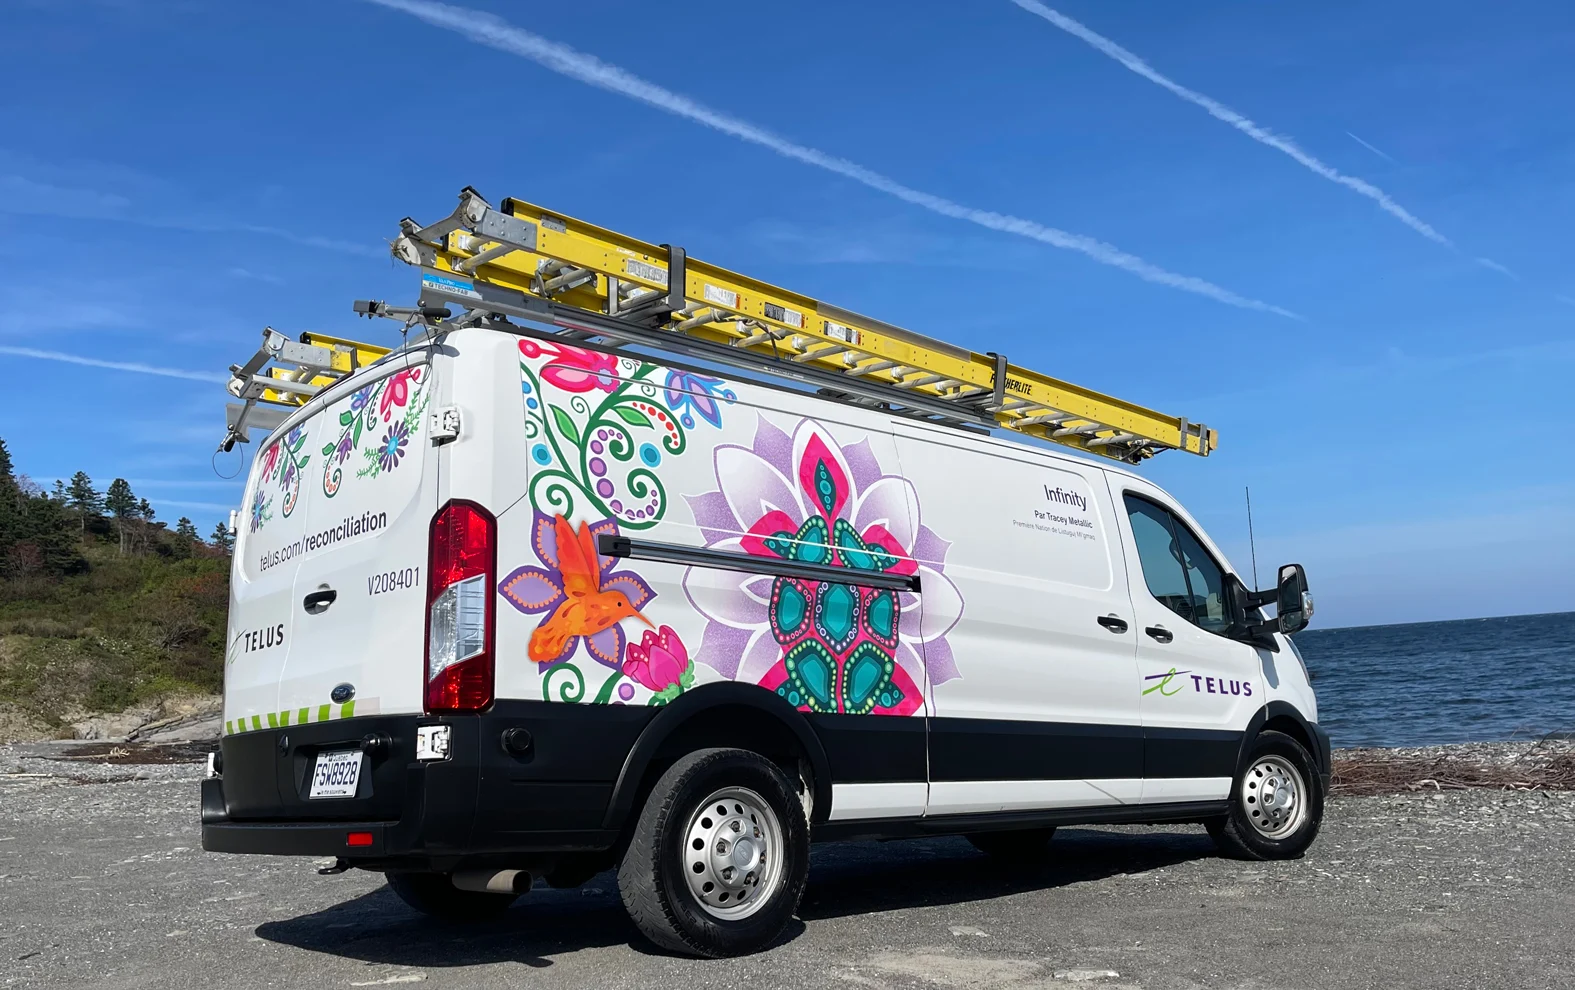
pixel 1274 797
pixel 732 853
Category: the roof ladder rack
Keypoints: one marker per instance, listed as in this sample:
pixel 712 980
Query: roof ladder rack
pixel 284 374
pixel 522 261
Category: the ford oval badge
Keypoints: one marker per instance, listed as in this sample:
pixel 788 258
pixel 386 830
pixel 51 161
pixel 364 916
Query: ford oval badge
pixel 342 693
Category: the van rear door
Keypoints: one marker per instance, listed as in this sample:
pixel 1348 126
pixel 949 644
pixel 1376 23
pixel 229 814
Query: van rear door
pixel 358 633
pixel 262 583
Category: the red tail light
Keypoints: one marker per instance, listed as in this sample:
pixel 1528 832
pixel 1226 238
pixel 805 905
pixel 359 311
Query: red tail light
pixel 461 569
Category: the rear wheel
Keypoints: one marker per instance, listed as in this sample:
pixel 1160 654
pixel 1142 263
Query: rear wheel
pixel 434 894
pixel 719 855
pixel 1276 802
pixel 1027 845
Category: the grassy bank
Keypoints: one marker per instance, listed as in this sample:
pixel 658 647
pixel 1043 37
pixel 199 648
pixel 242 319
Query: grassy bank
pixel 125 631
pixel 102 606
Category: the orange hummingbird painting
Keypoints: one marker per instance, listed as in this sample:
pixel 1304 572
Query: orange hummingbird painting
pixel 579 591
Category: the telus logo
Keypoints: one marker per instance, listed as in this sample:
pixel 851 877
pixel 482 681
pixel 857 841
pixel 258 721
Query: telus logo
pixel 1173 681
pixel 263 639
pixel 1065 497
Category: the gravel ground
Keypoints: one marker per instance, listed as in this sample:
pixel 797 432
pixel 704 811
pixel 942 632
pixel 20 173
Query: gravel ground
pixel 103 884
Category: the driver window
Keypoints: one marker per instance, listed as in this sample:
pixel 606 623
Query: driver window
pixel 1179 573
pixel 1160 556
pixel 1206 580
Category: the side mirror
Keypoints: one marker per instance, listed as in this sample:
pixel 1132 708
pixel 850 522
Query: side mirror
pixel 1293 603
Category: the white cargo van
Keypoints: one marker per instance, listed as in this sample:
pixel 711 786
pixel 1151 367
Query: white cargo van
pixel 504 605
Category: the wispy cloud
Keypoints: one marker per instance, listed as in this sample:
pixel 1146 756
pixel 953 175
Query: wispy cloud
pixel 488 29
pixel 20 194
pixel 1369 147
pixel 1566 300
pixel 1492 265
pixel 255 276
pixel 209 506
pixel 133 366
pixel 1220 111
pixel 25 194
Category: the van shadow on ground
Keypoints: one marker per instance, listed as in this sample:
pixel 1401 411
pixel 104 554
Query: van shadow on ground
pixel 845 879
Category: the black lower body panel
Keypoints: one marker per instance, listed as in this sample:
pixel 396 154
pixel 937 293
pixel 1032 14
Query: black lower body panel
pixel 533 779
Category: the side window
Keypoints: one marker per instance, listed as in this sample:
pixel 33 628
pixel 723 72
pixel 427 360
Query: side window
pixel 1160 556
pixel 1206 580
pixel 1179 573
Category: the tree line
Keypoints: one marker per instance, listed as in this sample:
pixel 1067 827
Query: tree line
pixel 44 533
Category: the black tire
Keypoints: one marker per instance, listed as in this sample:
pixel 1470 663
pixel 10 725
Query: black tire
pixel 1235 832
pixel 1028 845
pixel 652 877
pixel 435 895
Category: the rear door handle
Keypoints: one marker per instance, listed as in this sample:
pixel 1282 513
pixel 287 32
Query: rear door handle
pixel 1160 633
pixel 318 601
pixel 1114 623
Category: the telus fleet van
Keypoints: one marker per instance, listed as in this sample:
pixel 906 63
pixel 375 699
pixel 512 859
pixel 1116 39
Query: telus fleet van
pixel 507 604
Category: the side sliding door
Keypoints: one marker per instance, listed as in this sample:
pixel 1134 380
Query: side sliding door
pixel 1028 636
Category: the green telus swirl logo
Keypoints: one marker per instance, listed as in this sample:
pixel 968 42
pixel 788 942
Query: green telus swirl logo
pixel 1163 685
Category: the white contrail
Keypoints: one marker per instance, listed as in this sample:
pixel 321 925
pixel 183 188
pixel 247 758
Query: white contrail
pixel 493 31
pixel 1220 111
pixel 1489 263
pixel 145 369
pixel 1369 147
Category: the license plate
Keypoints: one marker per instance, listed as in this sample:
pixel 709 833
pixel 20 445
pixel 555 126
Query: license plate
pixel 337 774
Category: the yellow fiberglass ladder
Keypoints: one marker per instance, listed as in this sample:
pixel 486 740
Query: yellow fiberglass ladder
pixel 527 262
pixel 588 283
pixel 284 374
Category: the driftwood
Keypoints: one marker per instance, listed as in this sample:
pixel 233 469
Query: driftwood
pixel 1545 765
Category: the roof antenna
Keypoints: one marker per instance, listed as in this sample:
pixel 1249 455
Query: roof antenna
pixel 1250 541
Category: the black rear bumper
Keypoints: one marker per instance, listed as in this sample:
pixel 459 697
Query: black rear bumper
pixel 483 804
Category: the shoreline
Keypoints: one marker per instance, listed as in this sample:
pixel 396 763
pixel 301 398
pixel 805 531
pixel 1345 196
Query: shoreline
pixel 1518 765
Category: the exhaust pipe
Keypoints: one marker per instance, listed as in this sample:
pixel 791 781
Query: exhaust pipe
pixel 493 881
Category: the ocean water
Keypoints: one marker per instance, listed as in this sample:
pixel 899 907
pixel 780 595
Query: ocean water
pixel 1443 682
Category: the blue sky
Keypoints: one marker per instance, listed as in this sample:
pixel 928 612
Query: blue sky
pixel 1378 317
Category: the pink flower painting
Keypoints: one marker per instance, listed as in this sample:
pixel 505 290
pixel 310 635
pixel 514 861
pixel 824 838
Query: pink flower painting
pixel 825 646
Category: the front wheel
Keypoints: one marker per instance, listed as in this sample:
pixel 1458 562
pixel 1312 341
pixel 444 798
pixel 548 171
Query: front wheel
pixel 1276 802
pixel 719 855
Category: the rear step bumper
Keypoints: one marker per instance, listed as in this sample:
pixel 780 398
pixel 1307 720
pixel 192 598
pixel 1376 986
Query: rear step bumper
pixel 482 803
pixel 292 839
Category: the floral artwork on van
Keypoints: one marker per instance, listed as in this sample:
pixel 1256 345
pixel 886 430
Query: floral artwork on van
pixel 660 663
pixel 599 425
pixel 824 646
pixel 692 394
pixel 388 414
pixel 577 591
pixel 583 600
pixel 282 467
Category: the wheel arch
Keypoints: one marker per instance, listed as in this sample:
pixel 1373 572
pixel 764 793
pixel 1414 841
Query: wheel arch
pixel 707 716
pixel 1282 716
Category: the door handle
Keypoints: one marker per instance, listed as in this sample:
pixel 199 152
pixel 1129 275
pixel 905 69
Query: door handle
pixel 1114 623
pixel 318 601
pixel 1160 633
